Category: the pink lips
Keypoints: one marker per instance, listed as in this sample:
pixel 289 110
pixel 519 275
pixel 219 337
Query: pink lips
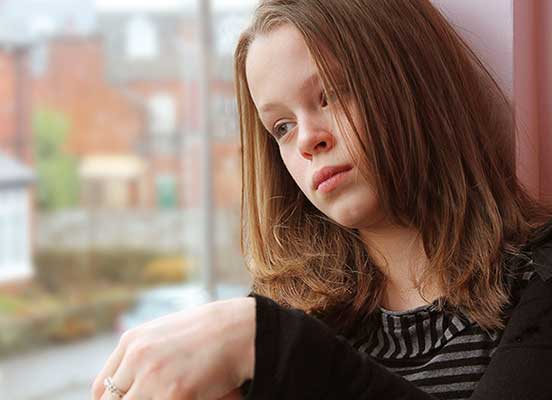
pixel 326 173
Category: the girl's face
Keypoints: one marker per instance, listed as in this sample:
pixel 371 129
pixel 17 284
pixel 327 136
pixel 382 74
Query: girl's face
pixel 294 107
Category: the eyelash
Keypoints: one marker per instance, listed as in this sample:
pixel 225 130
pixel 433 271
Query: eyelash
pixel 324 100
pixel 275 133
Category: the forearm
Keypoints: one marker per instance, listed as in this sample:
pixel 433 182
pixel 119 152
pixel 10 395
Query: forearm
pixel 298 357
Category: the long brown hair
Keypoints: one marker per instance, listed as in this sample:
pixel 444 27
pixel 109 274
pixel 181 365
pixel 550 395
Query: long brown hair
pixel 435 126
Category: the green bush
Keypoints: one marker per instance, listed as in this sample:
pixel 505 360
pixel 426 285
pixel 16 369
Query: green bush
pixel 63 320
pixel 57 183
pixel 61 270
pixel 167 270
pixel 58 270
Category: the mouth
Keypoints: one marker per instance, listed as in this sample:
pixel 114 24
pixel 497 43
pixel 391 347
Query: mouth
pixel 326 179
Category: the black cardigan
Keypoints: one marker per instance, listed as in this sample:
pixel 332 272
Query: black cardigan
pixel 297 357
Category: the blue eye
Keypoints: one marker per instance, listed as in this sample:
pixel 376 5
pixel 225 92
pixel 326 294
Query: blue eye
pixel 282 129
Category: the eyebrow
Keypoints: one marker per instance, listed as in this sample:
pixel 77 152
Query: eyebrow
pixel 313 79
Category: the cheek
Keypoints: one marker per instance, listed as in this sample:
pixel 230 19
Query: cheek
pixel 347 129
pixel 296 168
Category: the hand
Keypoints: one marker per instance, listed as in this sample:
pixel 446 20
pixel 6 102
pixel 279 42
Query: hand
pixel 205 353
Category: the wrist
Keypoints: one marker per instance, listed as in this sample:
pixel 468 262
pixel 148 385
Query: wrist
pixel 250 346
pixel 243 327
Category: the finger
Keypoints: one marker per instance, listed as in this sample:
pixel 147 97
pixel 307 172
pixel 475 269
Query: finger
pixel 109 368
pixel 123 378
pixel 109 396
pixel 135 393
pixel 113 391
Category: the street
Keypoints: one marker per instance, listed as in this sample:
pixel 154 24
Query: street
pixel 60 372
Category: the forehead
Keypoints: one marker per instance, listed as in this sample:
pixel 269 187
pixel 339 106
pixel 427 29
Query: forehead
pixel 277 62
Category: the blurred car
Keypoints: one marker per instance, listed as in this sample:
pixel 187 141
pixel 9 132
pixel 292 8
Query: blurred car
pixel 159 301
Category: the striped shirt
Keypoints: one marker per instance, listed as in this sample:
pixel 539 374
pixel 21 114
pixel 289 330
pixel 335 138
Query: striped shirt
pixel 440 352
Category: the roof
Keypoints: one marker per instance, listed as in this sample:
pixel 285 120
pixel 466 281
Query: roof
pixel 111 167
pixel 13 172
pixel 175 41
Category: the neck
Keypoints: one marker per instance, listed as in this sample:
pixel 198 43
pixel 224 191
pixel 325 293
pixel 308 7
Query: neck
pixel 398 252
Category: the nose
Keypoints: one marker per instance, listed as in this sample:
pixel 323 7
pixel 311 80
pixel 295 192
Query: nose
pixel 315 135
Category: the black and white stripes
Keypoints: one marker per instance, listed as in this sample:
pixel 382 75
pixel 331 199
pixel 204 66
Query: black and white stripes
pixel 442 353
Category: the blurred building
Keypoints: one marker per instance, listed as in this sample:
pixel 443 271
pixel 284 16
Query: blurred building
pixel 16 161
pixel 130 89
pixel 124 93
pixel 15 104
pixel 153 58
pixel 16 220
pixel 113 182
pixel 103 123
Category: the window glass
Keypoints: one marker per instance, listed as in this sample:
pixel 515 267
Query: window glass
pixel 141 39
pixel 166 192
pixel 162 112
pixel 103 199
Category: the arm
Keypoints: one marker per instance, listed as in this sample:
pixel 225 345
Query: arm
pixel 298 357
pixel 521 368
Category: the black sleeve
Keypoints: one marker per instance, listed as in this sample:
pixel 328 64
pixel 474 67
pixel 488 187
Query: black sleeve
pixel 521 368
pixel 298 357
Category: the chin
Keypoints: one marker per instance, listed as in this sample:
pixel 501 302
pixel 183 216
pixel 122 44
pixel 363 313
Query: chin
pixel 356 213
pixel 352 217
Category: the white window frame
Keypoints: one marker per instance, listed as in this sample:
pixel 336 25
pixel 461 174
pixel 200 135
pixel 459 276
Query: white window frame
pixel 141 39
pixel 162 114
pixel 15 252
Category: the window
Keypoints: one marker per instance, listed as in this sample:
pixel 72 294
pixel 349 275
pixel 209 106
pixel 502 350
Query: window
pixel 166 192
pixel 141 39
pixel 162 116
pixel 139 177
pixel 14 239
pixel 38 60
pixel 227 122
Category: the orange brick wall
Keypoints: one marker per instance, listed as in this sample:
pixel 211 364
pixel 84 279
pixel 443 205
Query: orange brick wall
pixel 7 103
pixel 112 119
pixel 102 119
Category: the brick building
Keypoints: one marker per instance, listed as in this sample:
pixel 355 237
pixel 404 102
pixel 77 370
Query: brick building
pixel 15 104
pixel 17 216
pixel 130 95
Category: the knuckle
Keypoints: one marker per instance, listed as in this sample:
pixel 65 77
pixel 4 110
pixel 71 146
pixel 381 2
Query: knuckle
pixel 155 367
pixel 152 371
pixel 127 337
pixel 138 350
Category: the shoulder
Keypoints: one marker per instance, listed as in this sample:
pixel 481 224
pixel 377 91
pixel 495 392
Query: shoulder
pixel 541 258
pixel 533 260
pixel 529 276
pixel 520 367
pixel 532 313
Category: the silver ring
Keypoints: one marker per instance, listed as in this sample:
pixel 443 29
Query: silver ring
pixel 113 389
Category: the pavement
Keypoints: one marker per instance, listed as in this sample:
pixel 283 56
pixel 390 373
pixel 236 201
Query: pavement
pixel 59 372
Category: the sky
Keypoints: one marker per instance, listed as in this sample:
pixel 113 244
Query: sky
pixel 31 18
pixel 170 4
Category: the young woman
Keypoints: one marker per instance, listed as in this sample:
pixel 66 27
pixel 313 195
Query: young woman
pixel 393 251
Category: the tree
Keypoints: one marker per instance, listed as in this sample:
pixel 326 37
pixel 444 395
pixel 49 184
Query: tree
pixel 56 169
